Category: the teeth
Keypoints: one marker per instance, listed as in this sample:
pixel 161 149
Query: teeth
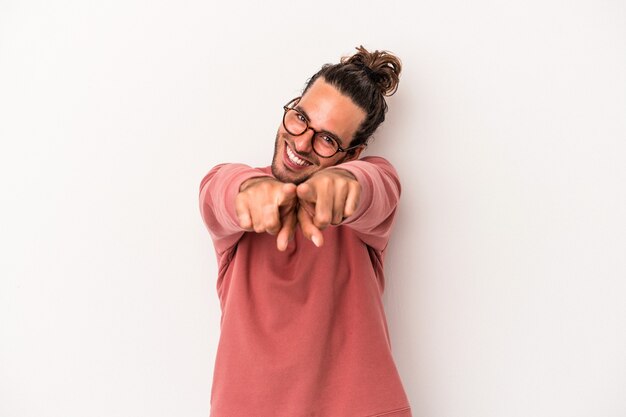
pixel 293 158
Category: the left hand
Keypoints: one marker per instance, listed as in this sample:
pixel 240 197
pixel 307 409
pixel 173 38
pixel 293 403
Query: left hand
pixel 327 198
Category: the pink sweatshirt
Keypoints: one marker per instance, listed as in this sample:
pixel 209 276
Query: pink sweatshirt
pixel 303 332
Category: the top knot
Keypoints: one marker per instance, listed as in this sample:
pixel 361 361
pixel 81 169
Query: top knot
pixel 381 67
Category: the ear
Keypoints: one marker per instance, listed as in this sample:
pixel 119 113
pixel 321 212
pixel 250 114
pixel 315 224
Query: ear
pixel 353 154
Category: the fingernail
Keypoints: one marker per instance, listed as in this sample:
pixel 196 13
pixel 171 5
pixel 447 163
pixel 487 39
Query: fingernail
pixel 316 240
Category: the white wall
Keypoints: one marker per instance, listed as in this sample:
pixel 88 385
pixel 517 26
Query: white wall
pixel 506 274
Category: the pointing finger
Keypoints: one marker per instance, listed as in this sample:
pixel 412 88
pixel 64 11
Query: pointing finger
pixel 308 228
pixel 287 230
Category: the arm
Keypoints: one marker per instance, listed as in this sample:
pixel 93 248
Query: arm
pixel 235 198
pixel 361 194
pixel 218 192
pixel 380 194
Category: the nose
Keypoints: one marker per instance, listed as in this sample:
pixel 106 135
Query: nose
pixel 304 141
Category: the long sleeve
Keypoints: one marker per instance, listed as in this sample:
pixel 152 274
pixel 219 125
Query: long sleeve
pixel 303 331
pixel 218 190
pixel 380 193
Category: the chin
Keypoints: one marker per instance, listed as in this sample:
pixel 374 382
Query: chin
pixel 284 174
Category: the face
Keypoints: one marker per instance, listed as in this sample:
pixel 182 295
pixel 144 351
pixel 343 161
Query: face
pixel 328 110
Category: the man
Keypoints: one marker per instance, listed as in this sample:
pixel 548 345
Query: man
pixel 300 248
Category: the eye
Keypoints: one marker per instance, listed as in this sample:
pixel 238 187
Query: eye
pixel 300 117
pixel 329 140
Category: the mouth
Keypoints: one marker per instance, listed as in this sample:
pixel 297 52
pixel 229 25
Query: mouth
pixel 293 161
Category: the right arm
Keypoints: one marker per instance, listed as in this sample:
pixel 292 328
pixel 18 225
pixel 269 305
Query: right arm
pixel 218 192
pixel 235 198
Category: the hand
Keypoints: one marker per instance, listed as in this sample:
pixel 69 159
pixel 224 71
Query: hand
pixel 328 197
pixel 268 205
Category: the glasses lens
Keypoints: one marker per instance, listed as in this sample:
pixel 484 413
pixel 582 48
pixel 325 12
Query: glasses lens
pixel 295 123
pixel 325 145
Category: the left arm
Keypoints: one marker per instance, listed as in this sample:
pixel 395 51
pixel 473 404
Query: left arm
pixel 361 194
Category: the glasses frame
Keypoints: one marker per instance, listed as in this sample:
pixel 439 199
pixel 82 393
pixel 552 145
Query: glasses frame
pixel 289 106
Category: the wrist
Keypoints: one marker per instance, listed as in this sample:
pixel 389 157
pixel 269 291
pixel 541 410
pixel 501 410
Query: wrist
pixel 340 171
pixel 252 181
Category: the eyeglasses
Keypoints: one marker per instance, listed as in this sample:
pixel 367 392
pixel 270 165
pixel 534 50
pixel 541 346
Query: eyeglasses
pixel 323 143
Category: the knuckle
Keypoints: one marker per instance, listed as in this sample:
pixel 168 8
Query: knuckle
pixel 324 181
pixel 322 220
pixel 260 187
pixel 267 209
pixel 271 225
pixel 241 198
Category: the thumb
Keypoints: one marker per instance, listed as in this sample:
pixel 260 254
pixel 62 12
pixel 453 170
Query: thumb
pixel 306 193
pixel 286 194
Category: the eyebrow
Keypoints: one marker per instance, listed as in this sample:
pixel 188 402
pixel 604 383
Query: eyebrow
pixel 334 135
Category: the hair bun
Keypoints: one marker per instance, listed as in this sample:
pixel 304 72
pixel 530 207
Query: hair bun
pixel 382 67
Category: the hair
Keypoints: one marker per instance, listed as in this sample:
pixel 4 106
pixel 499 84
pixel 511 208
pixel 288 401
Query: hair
pixel 366 77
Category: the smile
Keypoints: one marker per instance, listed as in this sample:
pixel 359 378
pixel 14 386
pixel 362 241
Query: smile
pixel 291 156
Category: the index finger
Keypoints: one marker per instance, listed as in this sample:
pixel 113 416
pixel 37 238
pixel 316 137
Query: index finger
pixel 309 230
pixel 287 230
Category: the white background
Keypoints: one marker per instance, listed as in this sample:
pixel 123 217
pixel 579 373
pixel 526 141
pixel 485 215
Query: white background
pixel 506 291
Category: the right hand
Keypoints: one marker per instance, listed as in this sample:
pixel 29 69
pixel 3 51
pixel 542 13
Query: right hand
pixel 268 205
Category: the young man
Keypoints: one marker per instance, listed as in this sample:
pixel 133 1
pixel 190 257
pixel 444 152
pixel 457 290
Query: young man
pixel 300 247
